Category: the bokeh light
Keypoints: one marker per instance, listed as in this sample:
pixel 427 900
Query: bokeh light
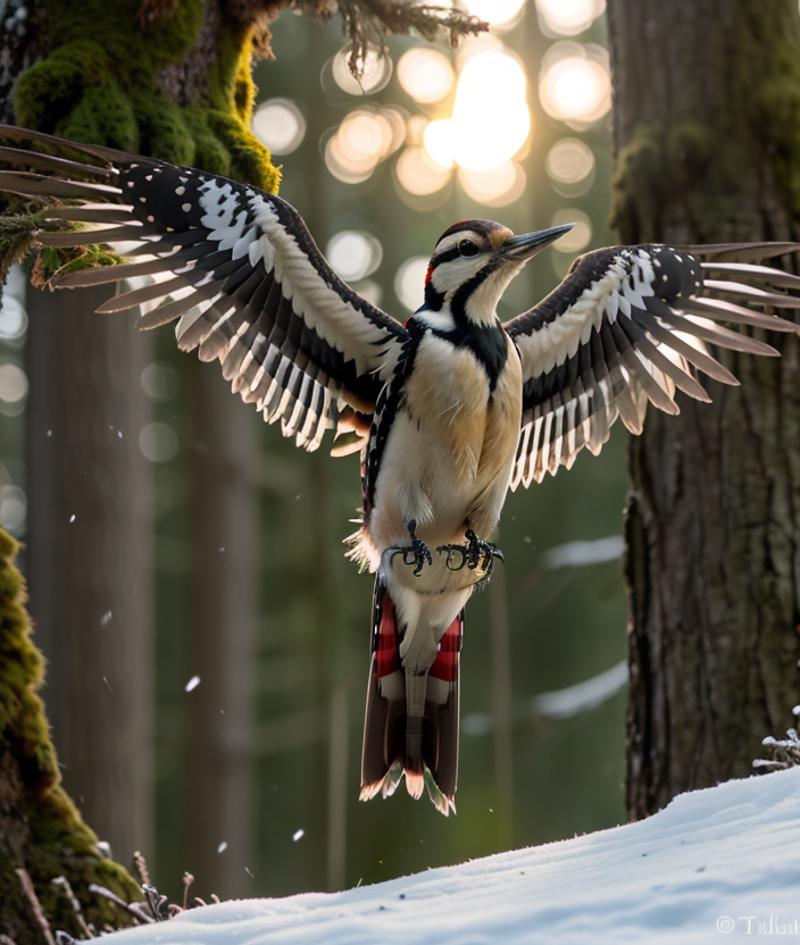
pixel 364 138
pixel 354 254
pixel 425 74
pixel 13 509
pixel 498 13
pixel 437 138
pixel 377 71
pixel 568 17
pixel 158 442
pixel 13 318
pixel 409 282
pixel 490 121
pixel 397 122
pixel 570 166
pixel 569 161
pixel 418 174
pixel 13 386
pixel 371 290
pixel 496 187
pixel 160 381
pixel 579 236
pixel 574 85
pixel 279 125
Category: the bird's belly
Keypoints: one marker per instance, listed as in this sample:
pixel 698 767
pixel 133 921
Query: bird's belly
pixel 448 457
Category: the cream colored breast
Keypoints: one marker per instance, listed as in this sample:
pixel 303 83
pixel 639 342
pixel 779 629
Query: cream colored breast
pixel 448 394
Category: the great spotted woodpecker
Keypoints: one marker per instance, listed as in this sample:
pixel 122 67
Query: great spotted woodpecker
pixel 448 411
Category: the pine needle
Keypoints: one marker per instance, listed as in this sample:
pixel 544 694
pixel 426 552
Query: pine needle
pixel 17 237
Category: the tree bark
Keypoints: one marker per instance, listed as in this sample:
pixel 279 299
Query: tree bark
pixel 707 94
pixel 89 560
pixel 220 634
pixel 41 832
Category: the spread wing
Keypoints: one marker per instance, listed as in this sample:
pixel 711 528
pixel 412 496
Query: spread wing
pixel 629 325
pixel 236 268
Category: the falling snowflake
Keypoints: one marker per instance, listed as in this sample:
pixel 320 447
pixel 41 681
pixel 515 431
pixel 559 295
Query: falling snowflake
pixel 193 683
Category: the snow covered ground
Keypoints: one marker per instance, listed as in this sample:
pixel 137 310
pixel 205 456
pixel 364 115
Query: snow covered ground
pixel 720 865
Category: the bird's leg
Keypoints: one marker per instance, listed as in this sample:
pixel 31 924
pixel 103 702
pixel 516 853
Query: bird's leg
pixel 417 553
pixel 476 549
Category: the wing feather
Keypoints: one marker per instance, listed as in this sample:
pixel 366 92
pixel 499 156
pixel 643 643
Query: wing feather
pixel 235 267
pixel 630 326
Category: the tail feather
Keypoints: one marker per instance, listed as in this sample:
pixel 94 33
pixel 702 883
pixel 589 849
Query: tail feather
pixel 423 749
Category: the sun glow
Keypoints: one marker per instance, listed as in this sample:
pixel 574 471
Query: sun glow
pixel 501 14
pixel 568 17
pixel 425 74
pixel 486 129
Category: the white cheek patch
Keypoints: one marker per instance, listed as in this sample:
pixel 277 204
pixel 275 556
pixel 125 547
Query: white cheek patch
pixel 449 276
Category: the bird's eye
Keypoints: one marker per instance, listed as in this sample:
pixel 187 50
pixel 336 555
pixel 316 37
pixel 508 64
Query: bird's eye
pixel 468 248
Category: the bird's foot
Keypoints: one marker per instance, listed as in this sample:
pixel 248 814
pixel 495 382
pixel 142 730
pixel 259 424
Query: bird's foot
pixel 474 553
pixel 417 553
pixel 480 552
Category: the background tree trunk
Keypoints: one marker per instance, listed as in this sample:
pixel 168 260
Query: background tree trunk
pixel 220 633
pixel 706 123
pixel 89 562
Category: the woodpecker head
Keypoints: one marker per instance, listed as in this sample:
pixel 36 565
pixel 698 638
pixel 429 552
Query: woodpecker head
pixel 473 262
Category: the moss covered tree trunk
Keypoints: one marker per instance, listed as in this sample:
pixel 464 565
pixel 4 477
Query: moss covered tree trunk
pixel 173 81
pixel 707 133
pixel 41 831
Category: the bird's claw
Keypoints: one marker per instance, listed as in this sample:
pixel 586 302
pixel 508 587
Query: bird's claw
pixel 417 553
pixel 474 553
pixel 477 549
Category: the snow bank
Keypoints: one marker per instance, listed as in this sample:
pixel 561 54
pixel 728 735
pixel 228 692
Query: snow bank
pixel 720 865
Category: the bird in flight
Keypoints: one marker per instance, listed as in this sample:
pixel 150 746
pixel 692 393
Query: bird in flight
pixel 448 411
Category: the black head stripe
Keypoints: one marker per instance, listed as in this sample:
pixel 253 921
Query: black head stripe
pixel 458 306
pixel 434 300
pixel 446 256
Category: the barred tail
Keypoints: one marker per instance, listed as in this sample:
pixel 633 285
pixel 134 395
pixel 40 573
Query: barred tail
pixel 411 720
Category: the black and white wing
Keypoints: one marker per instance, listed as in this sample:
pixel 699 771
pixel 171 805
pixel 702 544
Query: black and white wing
pixel 629 325
pixel 235 267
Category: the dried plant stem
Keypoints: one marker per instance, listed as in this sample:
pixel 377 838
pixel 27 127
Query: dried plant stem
pixel 64 884
pixel 36 906
pixel 132 908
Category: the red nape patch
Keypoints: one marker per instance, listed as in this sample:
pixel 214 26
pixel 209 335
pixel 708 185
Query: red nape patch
pixel 387 655
pixel 445 666
pixel 429 273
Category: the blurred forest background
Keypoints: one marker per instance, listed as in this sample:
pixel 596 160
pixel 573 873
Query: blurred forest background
pixel 240 738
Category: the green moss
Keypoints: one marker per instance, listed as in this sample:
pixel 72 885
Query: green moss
pixel 40 828
pixel 105 80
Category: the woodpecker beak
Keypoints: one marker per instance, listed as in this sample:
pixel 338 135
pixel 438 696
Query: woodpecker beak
pixel 527 245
